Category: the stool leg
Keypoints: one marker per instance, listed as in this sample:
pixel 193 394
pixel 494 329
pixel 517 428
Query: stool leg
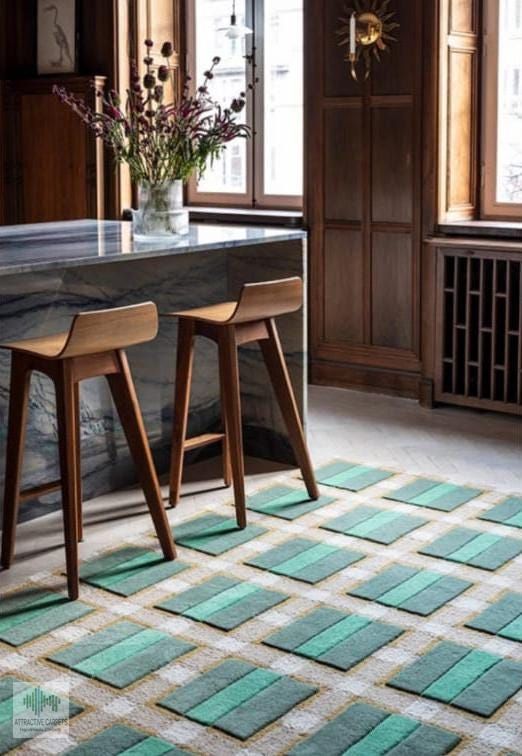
pixel 79 502
pixel 184 363
pixel 275 362
pixel 126 401
pixel 18 406
pixel 229 374
pixel 69 452
pixel 227 467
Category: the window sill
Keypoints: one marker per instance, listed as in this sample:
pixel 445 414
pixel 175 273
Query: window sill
pixel 246 216
pixel 482 229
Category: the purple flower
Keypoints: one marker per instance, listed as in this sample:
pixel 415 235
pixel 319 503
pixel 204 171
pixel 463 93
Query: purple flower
pixel 149 81
pixel 167 49
pixel 149 43
pixel 163 73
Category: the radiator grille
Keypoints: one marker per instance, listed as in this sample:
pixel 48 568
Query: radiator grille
pixel 481 360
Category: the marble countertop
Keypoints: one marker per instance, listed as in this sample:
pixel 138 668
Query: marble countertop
pixel 47 246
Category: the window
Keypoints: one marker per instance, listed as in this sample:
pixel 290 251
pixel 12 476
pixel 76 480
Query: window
pixel 267 170
pixel 502 159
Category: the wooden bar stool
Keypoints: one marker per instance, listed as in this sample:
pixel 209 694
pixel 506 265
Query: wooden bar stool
pixel 92 347
pixel 231 324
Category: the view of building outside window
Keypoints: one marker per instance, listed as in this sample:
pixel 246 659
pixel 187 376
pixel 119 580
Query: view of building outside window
pixel 229 174
pixel 280 125
pixel 283 65
pixel 509 170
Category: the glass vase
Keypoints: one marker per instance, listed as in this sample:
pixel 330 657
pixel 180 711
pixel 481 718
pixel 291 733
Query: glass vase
pixel 160 214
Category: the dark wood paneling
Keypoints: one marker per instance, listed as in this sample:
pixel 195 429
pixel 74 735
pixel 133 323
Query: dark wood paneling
pixel 365 183
pixel 392 294
pixel 395 74
pixel 344 284
pixel 343 163
pixel 392 164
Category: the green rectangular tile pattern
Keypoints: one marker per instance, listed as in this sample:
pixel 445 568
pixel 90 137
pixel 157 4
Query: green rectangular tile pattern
pixel 285 502
pixel 503 618
pixel 508 512
pixel 476 549
pixel 416 591
pixel 238 698
pixel 223 602
pixel 363 730
pixel 214 534
pixel 121 739
pixel 379 525
pixel 433 494
pixel 350 477
pixel 309 561
pixel 122 653
pixel 129 570
pixel 467 678
pixel 29 614
pixel 12 704
pixel 334 638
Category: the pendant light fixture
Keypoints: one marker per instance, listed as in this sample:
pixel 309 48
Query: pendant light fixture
pixel 235 30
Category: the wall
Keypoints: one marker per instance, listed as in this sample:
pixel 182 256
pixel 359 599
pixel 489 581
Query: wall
pixel 365 173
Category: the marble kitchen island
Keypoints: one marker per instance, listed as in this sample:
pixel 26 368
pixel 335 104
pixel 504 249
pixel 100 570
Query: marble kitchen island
pixel 49 272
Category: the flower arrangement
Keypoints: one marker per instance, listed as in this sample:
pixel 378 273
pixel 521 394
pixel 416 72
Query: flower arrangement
pixel 162 142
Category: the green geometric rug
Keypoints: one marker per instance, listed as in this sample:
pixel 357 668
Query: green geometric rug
pixel 285 502
pixel 363 730
pixel 288 636
pixel 23 701
pixel 223 602
pixel 122 653
pixel 473 680
pixel 503 618
pixel 379 525
pixel 508 512
pixel 214 534
pixel 417 591
pixel 129 570
pixel 309 561
pixel 238 698
pixel 433 494
pixel 120 739
pixel 334 638
pixel 349 476
pixel 29 614
pixel 484 550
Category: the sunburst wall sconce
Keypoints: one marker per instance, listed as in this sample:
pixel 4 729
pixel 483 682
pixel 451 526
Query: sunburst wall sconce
pixel 366 29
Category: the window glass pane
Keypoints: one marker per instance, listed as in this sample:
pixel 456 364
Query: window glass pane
pixel 229 173
pixel 283 117
pixel 509 148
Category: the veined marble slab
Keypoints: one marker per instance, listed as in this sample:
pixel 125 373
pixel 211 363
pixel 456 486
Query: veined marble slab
pixel 49 272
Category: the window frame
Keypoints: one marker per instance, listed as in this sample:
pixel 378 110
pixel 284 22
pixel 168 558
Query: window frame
pixel 491 209
pixel 255 196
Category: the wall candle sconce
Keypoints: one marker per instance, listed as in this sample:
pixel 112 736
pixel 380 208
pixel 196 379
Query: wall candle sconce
pixel 366 31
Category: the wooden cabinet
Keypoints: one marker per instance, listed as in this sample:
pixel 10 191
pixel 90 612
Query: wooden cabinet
pixel 54 165
pixel 364 206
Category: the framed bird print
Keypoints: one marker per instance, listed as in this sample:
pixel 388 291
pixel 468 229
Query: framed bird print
pixel 57 39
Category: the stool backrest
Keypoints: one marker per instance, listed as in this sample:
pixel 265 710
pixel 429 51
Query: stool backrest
pixel 106 330
pixel 268 299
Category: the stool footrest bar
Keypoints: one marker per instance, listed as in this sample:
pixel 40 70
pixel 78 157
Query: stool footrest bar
pixel 37 491
pixel 204 440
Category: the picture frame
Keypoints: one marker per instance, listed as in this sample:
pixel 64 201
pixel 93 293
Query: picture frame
pixel 57 45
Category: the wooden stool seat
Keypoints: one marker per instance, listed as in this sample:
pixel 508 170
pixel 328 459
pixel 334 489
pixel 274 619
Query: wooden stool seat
pixel 42 346
pixel 93 346
pixel 231 324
